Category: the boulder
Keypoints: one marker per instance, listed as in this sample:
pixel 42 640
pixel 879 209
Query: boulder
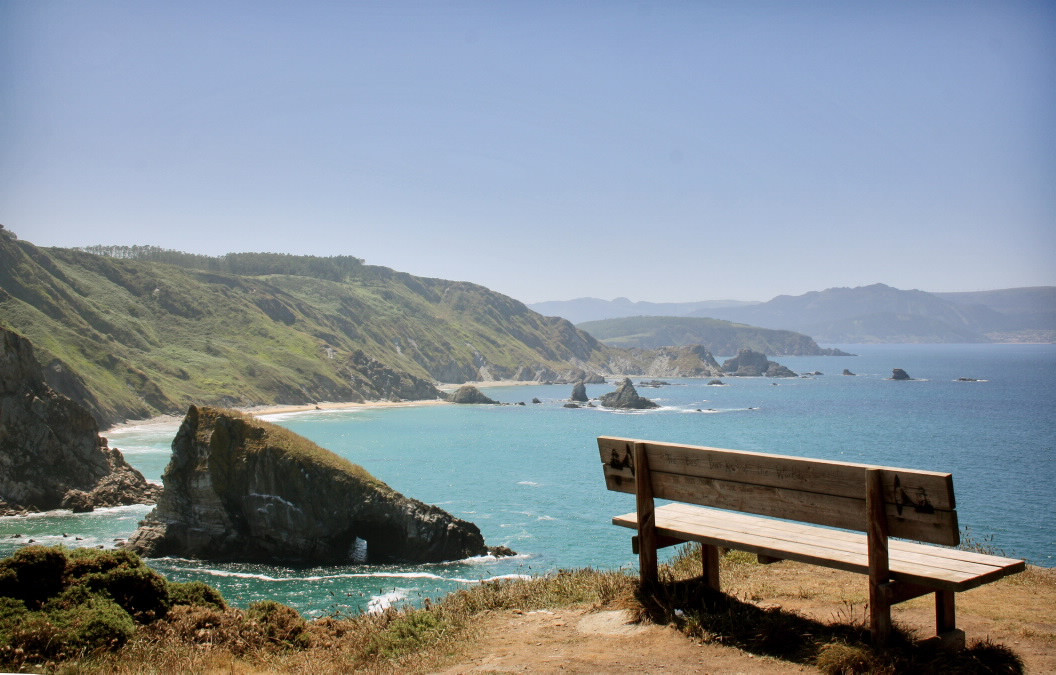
pixel 241 489
pixel 627 398
pixel 51 453
pixel 899 374
pixel 579 393
pixel 467 393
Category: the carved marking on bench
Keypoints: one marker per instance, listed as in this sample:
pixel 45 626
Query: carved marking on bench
pixel 903 498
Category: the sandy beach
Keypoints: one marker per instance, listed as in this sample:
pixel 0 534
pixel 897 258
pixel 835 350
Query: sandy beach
pixel 284 409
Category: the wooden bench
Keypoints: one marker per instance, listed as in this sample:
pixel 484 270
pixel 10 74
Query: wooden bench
pixel 720 490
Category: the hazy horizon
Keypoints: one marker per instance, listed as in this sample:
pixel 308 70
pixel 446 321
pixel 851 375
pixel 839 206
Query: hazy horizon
pixel 665 153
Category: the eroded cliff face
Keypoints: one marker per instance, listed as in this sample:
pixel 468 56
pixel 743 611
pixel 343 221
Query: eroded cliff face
pixel 51 453
pixel 238 488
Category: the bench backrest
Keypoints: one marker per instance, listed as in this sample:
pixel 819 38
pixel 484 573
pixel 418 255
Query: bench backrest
pixel 919 504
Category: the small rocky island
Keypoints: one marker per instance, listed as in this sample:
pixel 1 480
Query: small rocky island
pixel 51 453
pixel 626 398
pixel 241 489
pixel 750 363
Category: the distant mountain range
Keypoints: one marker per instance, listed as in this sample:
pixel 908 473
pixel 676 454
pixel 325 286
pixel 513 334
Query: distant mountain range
pixel 876 313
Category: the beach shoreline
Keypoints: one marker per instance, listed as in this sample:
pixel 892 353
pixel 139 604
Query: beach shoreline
pixel 293 408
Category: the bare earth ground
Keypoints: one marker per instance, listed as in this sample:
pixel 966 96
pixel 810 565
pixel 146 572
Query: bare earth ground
pixel 1018 612
pixel 580 641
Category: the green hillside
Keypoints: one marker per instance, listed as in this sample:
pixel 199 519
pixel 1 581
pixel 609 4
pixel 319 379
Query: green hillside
pixel 720 337
pixel 140 331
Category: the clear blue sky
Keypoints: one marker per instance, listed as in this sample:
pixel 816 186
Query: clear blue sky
pixel 662 151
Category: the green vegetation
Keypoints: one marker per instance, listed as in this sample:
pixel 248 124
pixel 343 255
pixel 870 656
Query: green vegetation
pixel 720 337
pixel 256 435
pixel 89 610
pixel 140 331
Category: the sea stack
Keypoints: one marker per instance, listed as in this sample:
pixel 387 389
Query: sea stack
pixel 241 489
pixel 626 397
pixel 899 374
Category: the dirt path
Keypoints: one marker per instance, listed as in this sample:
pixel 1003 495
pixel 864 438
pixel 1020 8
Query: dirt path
pixel 1019 613
pixel 579 641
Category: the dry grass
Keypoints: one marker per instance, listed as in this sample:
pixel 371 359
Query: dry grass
pixel 769 611
pixel 207 639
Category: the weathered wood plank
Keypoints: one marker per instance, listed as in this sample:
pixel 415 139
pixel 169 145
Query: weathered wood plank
pixel 879 571
pixel 916 509
pixel 967 562
pixel 822 546
pixel 647 559
pixel 905 487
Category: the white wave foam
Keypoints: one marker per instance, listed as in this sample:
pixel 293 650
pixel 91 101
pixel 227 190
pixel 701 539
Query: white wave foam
pixel 380 603
pixel 529 483
pixel 355 575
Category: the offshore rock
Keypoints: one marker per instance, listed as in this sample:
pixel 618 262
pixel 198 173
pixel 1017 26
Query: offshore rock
pixel 241 489
pixel 51 453
pixel 750 363
pixel 626 398
pixel 579 393
pixel 899 374
pixel 467 393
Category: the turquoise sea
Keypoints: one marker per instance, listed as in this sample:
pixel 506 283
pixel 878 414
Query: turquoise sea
pixel 530 477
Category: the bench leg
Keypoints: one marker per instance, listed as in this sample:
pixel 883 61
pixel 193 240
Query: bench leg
pixel 946 620
pixel 879 614
pixel 709 556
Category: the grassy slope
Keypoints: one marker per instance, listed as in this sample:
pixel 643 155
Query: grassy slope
pixel 146 338
pixel 720 337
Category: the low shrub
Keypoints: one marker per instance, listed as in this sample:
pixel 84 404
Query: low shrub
pixel 195 594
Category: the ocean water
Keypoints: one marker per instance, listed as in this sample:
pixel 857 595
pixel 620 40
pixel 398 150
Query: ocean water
pixel 530 477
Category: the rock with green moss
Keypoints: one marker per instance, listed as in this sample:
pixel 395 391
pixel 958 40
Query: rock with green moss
pixel 238 488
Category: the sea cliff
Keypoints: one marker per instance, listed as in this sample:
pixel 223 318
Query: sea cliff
pixel 51 453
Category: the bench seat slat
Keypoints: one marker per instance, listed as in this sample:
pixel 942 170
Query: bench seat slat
pixel 930 566
pixel 957 559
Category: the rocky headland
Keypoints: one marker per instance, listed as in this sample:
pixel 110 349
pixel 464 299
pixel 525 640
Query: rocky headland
pixel 241 489
pixel 51 453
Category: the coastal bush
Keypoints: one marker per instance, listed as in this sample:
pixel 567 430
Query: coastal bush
pixel 58 603
pixel 278 623
pixel 195 594
pixel 33 574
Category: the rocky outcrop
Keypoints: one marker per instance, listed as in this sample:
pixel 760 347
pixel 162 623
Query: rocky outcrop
pixel 467 393
pixel 847 371
pixel 51 453
pixel 373 380
pixel 579 393
pixel 238 488
pixel 750 363
pixel 685 361
pixel 626 398
pixel 899 374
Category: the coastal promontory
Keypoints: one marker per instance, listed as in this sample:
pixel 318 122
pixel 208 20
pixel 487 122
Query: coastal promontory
pixel 51 453
pixel 241 489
